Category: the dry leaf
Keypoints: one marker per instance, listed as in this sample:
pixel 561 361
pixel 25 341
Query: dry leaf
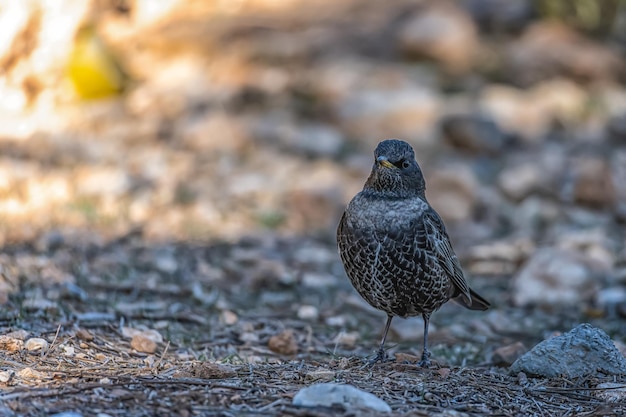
pixel 407 358
pixel 29 373
pixel 84 334
pixel 506 355
pixel 11 344
pixel 284 343
pixel 143 343
pixel 443 372
pixel 206 370
pixel 151 334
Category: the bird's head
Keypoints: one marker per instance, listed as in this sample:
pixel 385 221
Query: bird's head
pixel 395 172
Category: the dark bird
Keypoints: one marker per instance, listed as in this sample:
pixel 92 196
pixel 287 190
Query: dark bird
pixel 394 245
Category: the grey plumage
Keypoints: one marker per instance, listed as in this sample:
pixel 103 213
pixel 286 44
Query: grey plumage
pixel 394 245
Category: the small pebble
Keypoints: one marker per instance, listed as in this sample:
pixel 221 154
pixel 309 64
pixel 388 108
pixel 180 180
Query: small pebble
pixel 613 392
pixel 307 312
pixel 321 375
pixel 67 414
pixel 85 335
pixel 347 339
pixel 36 344
pixel 229 318
pixel 506 355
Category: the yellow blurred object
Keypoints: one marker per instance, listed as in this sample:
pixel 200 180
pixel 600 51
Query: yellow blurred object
pixel 92 69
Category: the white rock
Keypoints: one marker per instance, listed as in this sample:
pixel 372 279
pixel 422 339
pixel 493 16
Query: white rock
pixel 593 243
pixel 520 181
pixel 67 414
pixel 404 112
pixel 610 297
pixel 347 339
pixel 336 321
pixel 592 181
pixel 613 391
pixel 307 312
pixel 249 337
pixel 328 394
pixel 530 113
pixel 442 32
pixel 166 263
pixel 18 334
pixel 95 181
pixel 68 350
pixel 229 318
pixel 320 375
pixel 318 280
pixel 36 344
pixel 554 277
pixel 315 139
pixel 130 332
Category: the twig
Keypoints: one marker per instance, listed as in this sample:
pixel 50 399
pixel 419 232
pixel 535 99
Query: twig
pixel 56 335
pixel 156 365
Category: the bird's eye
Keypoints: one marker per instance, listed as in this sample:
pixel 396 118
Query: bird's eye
pixel 403 163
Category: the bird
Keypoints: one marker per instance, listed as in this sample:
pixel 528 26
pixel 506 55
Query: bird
pixel 394 246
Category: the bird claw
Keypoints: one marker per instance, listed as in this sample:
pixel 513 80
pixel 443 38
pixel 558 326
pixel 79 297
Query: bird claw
pixel 381 356
pixel 425 362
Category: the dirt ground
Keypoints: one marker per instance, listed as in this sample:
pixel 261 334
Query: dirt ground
pixel 217 355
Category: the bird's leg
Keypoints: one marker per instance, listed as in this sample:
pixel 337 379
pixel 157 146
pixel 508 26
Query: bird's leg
pixel 425 362
pixel 381 356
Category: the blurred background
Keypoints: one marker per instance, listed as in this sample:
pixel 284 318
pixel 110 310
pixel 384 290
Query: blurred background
pixel 217 121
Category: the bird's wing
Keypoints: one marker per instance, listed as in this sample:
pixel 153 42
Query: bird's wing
pixel 438 242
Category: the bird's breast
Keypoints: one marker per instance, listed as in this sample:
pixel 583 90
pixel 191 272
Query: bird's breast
pixel 382 214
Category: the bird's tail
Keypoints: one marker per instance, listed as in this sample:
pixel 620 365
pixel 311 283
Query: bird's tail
pixel 477 302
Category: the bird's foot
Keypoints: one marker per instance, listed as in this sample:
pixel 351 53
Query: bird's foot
pixel 425 362
pixel 381 356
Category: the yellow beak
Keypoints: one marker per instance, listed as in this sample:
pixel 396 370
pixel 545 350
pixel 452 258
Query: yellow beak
pixel 382 160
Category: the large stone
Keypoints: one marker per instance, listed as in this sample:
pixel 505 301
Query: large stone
pixel 453 192
pixel 507 355
pixel 442 32
pixel 501 15
pixel 402 112
pixel 555 277
pixel 583 351
pixel 616 129
pixel 618 165
pixel 548 49
pixel 348 396
pixel 593 182
pixel 531 113
pixel 520 181
pixel 473 133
